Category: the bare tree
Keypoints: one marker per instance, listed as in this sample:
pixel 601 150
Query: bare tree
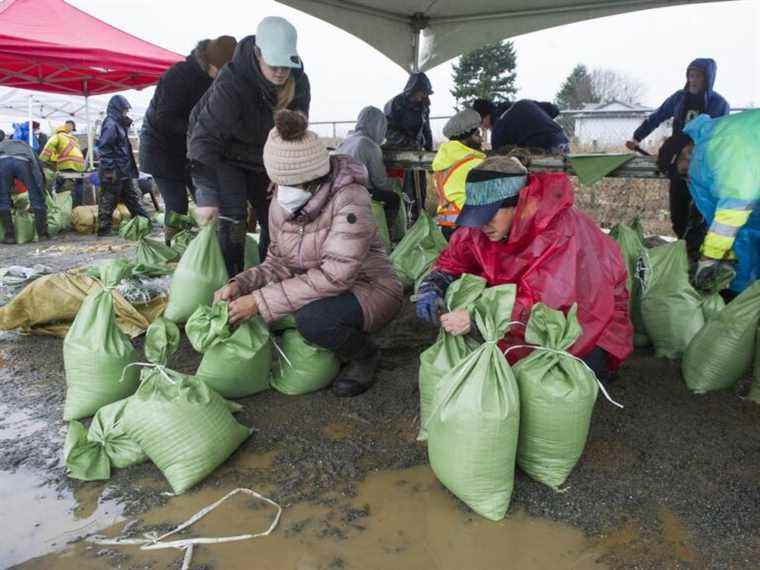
pixel 609 85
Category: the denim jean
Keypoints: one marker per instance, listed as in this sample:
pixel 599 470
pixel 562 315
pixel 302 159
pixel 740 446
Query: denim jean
pixel 13 168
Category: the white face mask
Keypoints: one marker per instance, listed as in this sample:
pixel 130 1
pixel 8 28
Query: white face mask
pixel 292 198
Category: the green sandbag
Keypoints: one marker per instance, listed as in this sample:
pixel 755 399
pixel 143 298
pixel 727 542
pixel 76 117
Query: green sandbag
pixel 754 390
pixel 56 217
pixel 183 426
pixel 378 210
pixel 95 351
pixel 303 367
pixel 235 363
pixel 181 240
pixel 159 218
pixel 418 250
pixel 557 397
pixel 135 229
pixel 65 204
pixel 398 226
pixel 631 241
pixel 154 252
pixel 723 351
pixel 448 350
pixel 23 222
pixel 84 459
pixel 251 256
pixel 283 324
pixel 473 429
pixel 179 221
pixel 199 274
pixel 161 341
pixel 670 306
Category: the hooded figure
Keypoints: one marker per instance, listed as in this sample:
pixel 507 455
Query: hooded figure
pixel 117 165
pixel 326 264
pixel 526 231
pixel 163 137
pixel 229 126
pixel 409 115
pixel 363 145
pixel 697 97
pixel 530 124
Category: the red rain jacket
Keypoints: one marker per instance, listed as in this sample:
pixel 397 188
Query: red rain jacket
pixel 556 255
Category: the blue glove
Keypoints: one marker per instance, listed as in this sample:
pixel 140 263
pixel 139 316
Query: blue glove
pixel 429 304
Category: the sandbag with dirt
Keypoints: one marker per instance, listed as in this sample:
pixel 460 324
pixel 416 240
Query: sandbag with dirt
pixel 236 363
pixel 199 274
pixel 557 397
pixel 302 367
pixel 415 254
pixel 474 426
pixel 722 352
pixel 437 362
pixel 96 352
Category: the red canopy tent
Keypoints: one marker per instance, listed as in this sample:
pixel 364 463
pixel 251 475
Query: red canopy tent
pixel 49 45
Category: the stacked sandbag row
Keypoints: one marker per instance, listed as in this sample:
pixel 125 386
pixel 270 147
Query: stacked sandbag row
pixel 481 417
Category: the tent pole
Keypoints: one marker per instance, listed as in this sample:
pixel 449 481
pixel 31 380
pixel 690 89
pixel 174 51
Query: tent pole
pixel 90 137
pixel 31 133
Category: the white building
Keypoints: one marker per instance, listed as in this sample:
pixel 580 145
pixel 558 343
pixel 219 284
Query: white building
pixel 603 126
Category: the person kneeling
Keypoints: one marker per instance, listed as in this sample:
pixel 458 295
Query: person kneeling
pixel 326 262
pixel 523 229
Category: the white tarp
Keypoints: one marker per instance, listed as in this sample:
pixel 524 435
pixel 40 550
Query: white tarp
pixel 430 32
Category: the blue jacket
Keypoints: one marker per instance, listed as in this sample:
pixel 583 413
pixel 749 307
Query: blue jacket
pixel 715 105
pixel 114 146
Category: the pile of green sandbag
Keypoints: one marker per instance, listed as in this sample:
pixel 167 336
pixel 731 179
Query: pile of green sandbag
pixel 199 274
pixel 723 351
pixel 235 363
pixel 417 252
pixel 437 362
pixel 630 238
pixel 302 367
pixel 184 226
pixel 96 351
pixel 149 251
pixel 474 423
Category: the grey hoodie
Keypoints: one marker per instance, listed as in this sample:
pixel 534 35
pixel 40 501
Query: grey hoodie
pixel 363 145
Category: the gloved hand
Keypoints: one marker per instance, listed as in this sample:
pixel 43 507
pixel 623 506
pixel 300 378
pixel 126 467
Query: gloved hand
pixel 429 305
pixel 705 273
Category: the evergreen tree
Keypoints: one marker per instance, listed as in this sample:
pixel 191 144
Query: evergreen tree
pixel 487 73
pixel 577 90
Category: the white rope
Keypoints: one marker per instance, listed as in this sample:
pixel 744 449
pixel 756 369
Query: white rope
pixel 564 353
pixel 277 346
pixel 160 367
pixel 154 542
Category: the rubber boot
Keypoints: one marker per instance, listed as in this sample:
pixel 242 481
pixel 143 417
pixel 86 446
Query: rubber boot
pixel 40 224
pixel 10 232
pixel 359 374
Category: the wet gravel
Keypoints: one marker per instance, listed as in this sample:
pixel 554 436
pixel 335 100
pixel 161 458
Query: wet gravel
pixel 667 456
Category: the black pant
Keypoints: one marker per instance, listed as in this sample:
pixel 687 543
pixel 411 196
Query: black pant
pixel 230 188
pixel 597 361
pixel 77 194
pixel 391 203
pixel 335 323
pixel 110 194
pixel 13 168
pixel 688 223
pixel 174 194
pixel 411 191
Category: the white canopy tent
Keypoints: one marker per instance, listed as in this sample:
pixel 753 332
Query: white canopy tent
pixel 420 34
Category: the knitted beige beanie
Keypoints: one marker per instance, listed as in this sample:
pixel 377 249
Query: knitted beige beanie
pixel 292 154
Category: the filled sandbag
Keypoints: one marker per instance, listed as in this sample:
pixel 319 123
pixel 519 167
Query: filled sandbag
pixel 199 274
pixel 57 219
pixel 754 390
pixel 631 241
pixel 182 425
pixel 722 352
pixel 251 255
pixel 95 352
pixel 474 425
pixel 557 397
pixel 135 229
pixel 181 240
pixel 378 211
pixel 235 363
pixel 416 253
pixel 303 367
pixel 437 362
pixel 398 226
pixel 153 252
pixel 85 460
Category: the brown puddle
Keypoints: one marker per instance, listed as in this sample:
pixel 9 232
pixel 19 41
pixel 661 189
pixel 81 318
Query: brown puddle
pixel 402 520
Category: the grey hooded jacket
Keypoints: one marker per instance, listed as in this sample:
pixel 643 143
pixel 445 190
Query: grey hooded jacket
pixel 363 145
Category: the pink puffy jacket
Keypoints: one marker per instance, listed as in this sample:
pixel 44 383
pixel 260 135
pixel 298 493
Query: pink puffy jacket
pixel 331 246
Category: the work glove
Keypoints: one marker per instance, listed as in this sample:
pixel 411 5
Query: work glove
pixel 429 305
pixel 705 274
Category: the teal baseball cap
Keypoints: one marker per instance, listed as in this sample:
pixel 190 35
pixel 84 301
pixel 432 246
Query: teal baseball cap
pixel 277 39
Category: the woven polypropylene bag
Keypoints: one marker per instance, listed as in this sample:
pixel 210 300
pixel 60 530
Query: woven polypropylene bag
pixel 135 229
pixel 95 352
pixel 754 391
pixel 420 247
pixel 302 366
pixel 154 252
pixel 723 351
pixel 251 256
pixel 183 426
pixel 473 429
pixel 631 242
pixel 437 362
pixel 557 397
pixel 378 211
pixel 199 274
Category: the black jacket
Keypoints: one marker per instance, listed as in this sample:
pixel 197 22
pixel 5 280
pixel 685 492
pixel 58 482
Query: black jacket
pixel 528 124
pixel 408 120
pixel 114 147
pixel 232 120
pixel 163 138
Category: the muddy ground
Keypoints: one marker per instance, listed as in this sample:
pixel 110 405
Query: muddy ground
pixel 671 481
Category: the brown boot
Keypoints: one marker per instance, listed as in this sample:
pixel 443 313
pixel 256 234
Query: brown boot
pixel 10 232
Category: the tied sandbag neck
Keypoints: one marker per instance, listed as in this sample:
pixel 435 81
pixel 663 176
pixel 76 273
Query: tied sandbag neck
pixel 279 349
pixel 154 542
pixel 161 368
pixel 565 353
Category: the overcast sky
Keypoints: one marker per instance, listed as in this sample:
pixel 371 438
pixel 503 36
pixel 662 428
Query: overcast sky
pixel 346 74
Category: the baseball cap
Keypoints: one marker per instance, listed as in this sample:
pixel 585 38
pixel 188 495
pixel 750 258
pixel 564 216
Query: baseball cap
pixel 277 39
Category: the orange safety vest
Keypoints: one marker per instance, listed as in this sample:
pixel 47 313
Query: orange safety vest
pixel 448 211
